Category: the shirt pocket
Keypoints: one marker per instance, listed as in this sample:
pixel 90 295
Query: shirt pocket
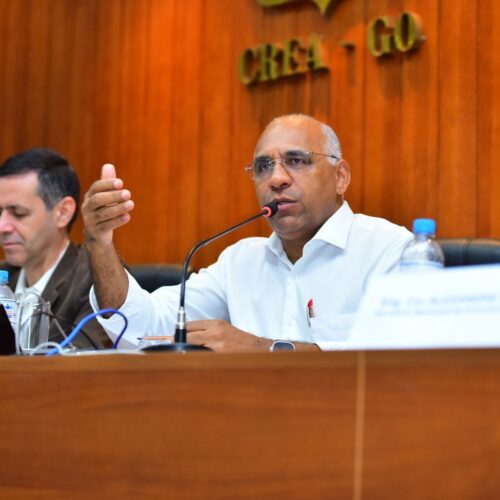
pixel 332 329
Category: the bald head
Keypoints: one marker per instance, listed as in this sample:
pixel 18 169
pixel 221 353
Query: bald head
pixel 323 133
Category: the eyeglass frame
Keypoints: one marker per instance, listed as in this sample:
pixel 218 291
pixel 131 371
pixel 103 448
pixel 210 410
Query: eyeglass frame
pixel 249 169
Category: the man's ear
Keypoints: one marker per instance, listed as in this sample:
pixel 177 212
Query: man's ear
pixel 343 177
pixel 63 211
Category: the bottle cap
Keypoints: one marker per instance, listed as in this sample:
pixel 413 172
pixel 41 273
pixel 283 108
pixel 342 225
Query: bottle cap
pixel 424 226
pixel 4 275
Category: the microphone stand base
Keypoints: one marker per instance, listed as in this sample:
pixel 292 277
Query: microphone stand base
pixel 175 347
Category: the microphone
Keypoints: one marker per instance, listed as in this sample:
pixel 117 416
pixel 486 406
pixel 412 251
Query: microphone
pixel 180 338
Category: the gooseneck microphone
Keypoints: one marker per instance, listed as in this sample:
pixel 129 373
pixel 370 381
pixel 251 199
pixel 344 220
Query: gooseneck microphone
pixel 180 338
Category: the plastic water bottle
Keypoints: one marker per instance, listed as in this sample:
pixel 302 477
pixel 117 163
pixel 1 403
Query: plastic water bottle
pixel 7 298
pixel 422 253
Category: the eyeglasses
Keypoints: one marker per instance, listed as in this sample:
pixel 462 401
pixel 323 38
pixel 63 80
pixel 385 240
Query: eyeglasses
pixel 294 161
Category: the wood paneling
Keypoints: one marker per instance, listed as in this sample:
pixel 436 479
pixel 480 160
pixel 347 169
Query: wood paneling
pixel 158 173
pixel 488 118
pixel 214 209
pixel 183 427
pixel 14 62
pixel 347 90
pixel 457 185
pixel 418 166
pixel 344 425
pixel 184 156
pixel 152 86
pixel 382 124
pixel 449 452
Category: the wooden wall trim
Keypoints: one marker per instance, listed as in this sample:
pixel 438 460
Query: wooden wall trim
pixel 152 87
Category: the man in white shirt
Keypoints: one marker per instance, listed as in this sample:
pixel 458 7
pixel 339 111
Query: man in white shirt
pixel 39 195
pixel 301 285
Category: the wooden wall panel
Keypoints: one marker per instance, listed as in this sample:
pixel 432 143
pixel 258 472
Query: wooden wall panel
pixel 131 129
pixel 152 86
pixel 418 166
pixel 488 116
pixel 61 42
pixel 214 211
pixel 347 91
pixel 317 84
pixel 457 64
pixel 246 122
pixel 3 72
pixel 158 174
pixel 185 154
pixel 382 124
pixel 37 80
pixel 106 72
pixel 81 95
pixel 14 55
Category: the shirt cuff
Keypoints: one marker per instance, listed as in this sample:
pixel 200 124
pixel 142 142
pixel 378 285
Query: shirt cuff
pixel 114 324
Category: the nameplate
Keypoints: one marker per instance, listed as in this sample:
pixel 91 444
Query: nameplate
pixel 454 307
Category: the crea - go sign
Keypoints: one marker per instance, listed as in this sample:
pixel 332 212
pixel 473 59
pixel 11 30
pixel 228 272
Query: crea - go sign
pixel 273 60
pixel 321 4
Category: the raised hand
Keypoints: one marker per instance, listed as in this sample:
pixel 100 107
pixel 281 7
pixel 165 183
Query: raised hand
pixel 106 206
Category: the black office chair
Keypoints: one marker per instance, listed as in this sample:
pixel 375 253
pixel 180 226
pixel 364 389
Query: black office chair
pixel 153 276
pixel 470 251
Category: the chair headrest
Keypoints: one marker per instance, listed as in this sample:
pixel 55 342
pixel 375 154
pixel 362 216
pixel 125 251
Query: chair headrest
pixel 470 251
pixel 153 276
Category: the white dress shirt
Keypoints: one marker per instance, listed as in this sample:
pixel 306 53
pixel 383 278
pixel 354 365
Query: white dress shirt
pixel 255 287
pixel 32 293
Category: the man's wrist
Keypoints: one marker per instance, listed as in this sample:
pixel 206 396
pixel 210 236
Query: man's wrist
pixel 264 344
pixel 95 245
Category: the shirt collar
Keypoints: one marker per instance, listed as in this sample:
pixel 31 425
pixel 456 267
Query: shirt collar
pixel 335 231
pixel 39 286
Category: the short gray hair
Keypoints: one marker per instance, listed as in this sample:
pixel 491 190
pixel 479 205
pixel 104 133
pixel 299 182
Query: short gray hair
pixel 332 145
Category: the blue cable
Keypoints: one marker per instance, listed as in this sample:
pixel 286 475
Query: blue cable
pixel 83 322
pixel 115 345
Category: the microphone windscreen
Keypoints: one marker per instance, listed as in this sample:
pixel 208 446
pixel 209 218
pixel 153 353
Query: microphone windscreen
pixel 269 209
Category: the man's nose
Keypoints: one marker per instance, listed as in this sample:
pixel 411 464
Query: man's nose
pixel 5 223
pixel 280 177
